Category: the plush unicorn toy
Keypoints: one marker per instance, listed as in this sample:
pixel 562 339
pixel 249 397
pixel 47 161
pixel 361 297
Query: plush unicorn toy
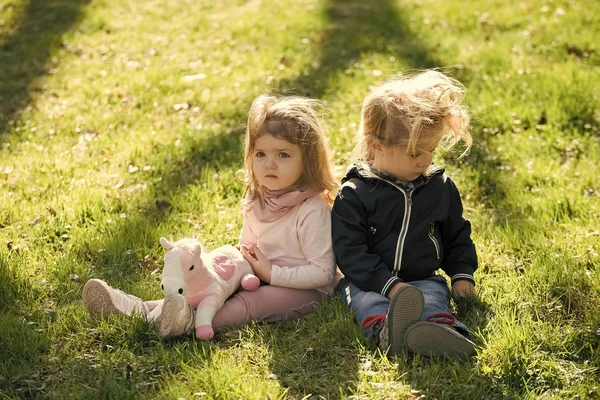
pixel 206 279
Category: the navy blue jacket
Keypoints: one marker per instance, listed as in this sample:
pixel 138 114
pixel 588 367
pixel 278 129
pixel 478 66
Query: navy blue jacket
pixel 384 233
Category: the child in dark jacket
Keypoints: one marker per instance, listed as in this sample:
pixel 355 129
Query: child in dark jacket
pixel 398 219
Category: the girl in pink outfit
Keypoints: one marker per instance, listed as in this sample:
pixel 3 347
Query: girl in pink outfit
pixel 286 234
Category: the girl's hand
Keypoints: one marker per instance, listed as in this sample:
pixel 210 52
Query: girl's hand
pixel 462 288
pixel 259 263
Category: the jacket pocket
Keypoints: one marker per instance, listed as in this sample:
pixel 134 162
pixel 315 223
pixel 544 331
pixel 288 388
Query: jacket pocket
pixel 431 235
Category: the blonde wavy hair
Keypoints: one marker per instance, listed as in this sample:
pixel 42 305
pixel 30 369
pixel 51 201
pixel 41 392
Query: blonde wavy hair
pixel 418 111
pixel 294 119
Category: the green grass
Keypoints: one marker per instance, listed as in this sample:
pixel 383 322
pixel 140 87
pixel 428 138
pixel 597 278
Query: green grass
pixel 105 146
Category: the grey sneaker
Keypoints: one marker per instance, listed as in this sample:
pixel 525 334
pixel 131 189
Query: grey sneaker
pixel 101 299
pixel 406 308
pixel 438 340
pixel 176 317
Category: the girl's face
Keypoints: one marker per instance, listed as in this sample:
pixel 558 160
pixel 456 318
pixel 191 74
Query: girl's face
pixel 405 166
pixel 277 163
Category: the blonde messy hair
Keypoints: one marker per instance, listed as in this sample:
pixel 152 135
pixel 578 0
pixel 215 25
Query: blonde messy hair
pixel 293 119
pixel 418 111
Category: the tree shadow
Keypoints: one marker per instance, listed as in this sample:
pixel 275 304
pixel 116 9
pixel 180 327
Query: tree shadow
pixel 100 364
pixel 25 54
pixel 308 357
pixel 355 28
pixel 431 377
pixel 19 318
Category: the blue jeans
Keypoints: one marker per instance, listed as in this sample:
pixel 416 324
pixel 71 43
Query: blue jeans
pixel 436 296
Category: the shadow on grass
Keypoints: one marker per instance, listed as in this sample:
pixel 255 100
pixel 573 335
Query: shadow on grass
pixel 437 378
pixel 25 53
pixel 23 340
pixel 355 28
pixel 121 359
pixel 474 313
pixel 317 355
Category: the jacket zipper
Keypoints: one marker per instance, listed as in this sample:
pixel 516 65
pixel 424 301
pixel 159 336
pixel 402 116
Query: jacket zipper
pixel 404 229
pixel 434 240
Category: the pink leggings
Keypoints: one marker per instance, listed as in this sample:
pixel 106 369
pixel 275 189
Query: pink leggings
pixel 267 303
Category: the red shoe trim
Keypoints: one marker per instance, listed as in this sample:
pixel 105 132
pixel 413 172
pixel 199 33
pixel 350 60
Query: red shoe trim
pixel 442 318
pixel 369 321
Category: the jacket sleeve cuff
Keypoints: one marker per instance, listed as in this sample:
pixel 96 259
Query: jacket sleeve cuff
pixel 389 285
pixel 463 277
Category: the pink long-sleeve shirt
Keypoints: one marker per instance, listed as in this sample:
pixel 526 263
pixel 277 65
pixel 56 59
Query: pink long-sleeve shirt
pixel 298 245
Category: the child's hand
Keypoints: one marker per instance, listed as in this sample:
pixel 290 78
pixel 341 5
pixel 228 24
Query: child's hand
pixel 463 288
pixel 259 263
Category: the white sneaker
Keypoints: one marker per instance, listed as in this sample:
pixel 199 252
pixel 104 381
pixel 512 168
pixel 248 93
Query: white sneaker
pixel 101 299
pixel 176 317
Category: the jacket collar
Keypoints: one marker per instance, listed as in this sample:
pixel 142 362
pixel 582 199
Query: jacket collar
pixel 364 170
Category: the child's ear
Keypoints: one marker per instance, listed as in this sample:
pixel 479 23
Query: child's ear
pixel 377 146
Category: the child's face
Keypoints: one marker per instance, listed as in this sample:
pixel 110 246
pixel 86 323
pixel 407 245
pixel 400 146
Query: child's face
pixel 405 166
pixel 277 163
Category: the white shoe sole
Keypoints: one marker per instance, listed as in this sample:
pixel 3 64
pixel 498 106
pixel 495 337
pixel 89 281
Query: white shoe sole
pixel 97 300
pixel 169 321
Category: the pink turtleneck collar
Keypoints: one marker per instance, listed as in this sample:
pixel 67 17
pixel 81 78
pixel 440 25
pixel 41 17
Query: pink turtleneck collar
pixel 276 203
